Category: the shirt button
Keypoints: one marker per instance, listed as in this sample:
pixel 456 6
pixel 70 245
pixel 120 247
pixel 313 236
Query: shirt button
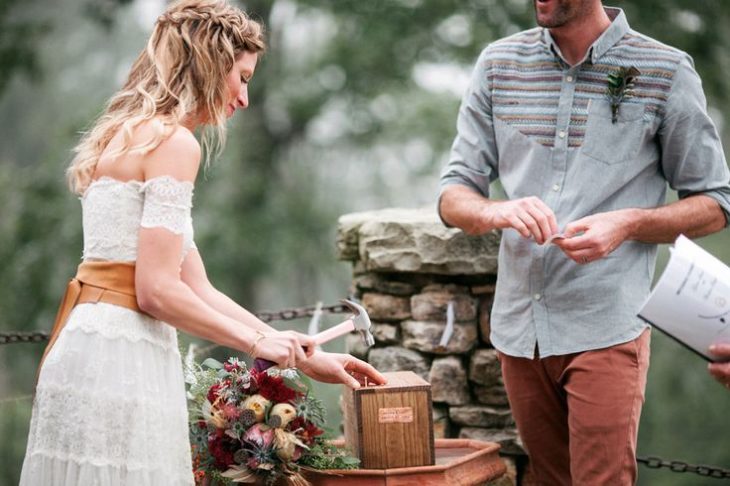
pixel 537 296
pixel 561 134
pixel 556 187
pixel 569 79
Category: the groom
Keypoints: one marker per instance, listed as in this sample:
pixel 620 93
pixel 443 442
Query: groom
pixel 538 117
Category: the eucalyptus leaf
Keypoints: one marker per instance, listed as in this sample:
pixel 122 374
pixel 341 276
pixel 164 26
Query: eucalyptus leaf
pixel 212 363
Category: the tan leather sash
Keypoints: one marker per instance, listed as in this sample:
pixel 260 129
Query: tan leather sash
pixel 109 282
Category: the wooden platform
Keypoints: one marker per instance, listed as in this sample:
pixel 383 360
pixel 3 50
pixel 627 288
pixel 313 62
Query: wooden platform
pixel 459 462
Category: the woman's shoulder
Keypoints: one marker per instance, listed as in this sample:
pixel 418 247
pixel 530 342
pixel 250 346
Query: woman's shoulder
pixel 178 155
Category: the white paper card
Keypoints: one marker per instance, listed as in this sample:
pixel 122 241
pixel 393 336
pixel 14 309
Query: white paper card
pixel 691 300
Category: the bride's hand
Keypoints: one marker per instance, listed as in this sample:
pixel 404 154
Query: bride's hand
pixel 340 368
pixel 288 349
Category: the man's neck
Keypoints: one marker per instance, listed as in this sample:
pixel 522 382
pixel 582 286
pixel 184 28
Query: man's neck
pixel 575 38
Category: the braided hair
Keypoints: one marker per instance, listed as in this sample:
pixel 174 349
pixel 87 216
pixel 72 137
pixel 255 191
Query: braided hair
pixel 180 73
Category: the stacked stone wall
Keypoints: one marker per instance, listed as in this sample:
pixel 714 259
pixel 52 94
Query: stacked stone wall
pixel 407 268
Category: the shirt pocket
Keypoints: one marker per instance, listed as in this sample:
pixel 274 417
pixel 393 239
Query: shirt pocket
pixel 609 142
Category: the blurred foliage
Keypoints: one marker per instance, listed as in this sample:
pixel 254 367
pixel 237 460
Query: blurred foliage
pixel 352 108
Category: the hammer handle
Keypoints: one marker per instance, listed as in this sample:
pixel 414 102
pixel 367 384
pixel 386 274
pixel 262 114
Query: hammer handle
pixel 334 332
pixel 325 336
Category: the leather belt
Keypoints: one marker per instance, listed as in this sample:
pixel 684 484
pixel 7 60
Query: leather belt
pixel 108 282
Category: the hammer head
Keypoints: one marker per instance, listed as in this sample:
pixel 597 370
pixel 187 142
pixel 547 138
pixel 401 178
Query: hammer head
pixel 360 320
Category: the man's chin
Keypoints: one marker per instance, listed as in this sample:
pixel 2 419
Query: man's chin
pixel 549 14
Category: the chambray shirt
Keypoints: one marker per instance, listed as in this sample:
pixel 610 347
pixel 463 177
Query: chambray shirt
pixel 545 129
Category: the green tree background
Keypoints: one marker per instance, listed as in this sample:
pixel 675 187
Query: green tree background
pixel 353 108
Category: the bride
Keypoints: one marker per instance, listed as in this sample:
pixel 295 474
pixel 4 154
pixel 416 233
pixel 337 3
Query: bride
pixel 110 405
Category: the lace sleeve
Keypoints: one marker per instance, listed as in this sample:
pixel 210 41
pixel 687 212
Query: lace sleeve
pixel 167 204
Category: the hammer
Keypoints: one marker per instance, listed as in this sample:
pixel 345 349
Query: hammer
pixel 358 321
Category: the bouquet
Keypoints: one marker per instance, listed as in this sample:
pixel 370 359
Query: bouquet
pixel 256 426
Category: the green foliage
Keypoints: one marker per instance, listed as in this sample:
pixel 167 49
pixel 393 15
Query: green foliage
pixel 312 409
pixel 217 480
pixel 620 87
pixel 327 456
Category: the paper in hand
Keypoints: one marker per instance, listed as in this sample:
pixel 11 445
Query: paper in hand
pixel 556 236
pixel 691 300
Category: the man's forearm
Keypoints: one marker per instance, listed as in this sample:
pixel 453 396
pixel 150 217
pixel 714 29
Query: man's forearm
pixel 464 208
pixel 693 216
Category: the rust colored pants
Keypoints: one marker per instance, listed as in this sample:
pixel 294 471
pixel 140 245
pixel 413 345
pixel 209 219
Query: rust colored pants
pixel 578 414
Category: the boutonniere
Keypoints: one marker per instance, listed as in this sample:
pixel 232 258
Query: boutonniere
pixel 620 87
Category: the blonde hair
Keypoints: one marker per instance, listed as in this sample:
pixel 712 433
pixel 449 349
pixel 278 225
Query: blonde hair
pixel 182 72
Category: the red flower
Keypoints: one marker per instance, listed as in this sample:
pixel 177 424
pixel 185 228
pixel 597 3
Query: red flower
pixel 221 448
pixel 232 366
pixel 200 477
pixel 231 412
pixel 305 430
pixel 273 387
pixel 213 393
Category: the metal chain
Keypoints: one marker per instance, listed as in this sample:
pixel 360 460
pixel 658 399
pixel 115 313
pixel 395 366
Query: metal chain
pixel 285 315
pixel 653 462
pixel 17 399
pixel 266 316
pixel 23 337
pixel 299 312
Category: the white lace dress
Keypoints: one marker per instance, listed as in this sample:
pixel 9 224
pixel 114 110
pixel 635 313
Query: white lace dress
pixel 110 405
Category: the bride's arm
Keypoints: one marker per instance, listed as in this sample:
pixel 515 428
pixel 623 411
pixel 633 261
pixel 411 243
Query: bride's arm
pixel 322 366
pixel 161 292
pixel 194 275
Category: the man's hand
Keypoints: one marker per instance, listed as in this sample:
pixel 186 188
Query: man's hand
pixel 340 368
pixel 475 214
pixel 721 371
pixel 598 235
pixel 529 216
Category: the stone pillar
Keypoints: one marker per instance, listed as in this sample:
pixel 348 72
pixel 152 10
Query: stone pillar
pixel 407 268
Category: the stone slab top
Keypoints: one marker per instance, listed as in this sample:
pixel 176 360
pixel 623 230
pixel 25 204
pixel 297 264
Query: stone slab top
pixel 414 241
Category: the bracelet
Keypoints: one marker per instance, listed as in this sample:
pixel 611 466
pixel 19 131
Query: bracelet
pixel 259 336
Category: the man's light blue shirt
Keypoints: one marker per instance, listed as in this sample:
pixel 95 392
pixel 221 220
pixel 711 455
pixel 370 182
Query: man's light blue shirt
pixel 545 129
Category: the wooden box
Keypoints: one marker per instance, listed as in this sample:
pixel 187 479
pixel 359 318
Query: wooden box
pixel 391 426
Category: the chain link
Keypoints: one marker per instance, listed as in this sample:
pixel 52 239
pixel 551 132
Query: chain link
pixel 653 462
pixel 23 337
pixel 300 312
pixel 266 316
pixel 285 315
pixel 10 400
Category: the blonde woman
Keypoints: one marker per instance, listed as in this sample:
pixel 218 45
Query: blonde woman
pixel 110 404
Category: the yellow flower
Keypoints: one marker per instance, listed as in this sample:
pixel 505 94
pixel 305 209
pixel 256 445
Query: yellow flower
pixel 281 414
pixel 213 415
pixel 257 404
